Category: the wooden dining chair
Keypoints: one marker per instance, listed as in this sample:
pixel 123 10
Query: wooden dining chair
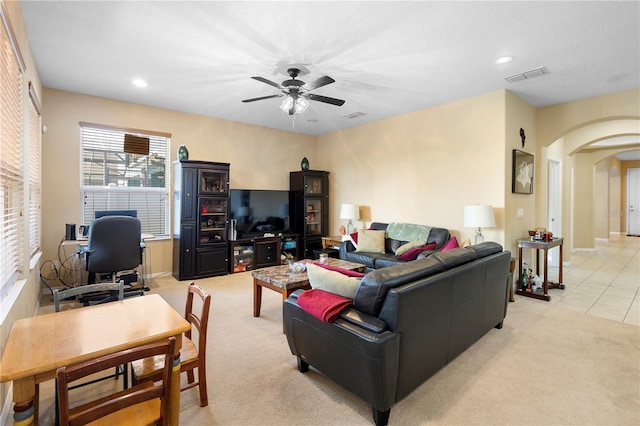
pixel 144 404
pixel 192 355
pixel 106 292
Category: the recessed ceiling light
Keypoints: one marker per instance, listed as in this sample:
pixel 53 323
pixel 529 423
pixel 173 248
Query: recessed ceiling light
pixel 503 60
pixel 139 83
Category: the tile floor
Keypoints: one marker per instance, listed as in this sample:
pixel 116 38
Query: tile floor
pixel 604 282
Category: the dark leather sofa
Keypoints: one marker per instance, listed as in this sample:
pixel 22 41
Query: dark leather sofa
pixel 381 260
pixel 406 323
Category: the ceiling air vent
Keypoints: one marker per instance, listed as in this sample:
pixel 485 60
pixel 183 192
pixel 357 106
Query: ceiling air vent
pixel 354 115
pixel 527 75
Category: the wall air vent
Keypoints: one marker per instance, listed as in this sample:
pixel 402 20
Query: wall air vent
pixel 527 75
pixel 354 115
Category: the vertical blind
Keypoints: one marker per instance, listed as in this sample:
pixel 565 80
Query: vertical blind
pixel 113 179
pixel 35 193
pixel 11 167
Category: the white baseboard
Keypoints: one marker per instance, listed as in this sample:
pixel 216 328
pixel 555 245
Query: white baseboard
pixel 602 239
pixel 583 249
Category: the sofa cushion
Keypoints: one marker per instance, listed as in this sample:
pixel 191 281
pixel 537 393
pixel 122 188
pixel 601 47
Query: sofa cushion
pixel 332 281
pixel 370 241
pixel 391 245
pixel 413 253
pixel 374 286
pixel 409 246
pixel 386 260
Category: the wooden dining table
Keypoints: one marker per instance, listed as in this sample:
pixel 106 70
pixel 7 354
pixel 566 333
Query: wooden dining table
pixel 37 346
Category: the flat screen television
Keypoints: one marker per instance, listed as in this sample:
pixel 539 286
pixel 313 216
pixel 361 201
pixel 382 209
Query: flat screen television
pixel 260 211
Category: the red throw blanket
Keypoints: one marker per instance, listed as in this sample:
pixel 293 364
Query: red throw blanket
pixel 322 304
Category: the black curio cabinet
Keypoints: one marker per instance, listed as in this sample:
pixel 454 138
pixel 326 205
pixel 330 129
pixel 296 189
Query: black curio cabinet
pixel 309 208
pixel 200 219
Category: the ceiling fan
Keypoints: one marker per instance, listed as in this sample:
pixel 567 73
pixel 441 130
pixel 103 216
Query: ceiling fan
pixel 297 92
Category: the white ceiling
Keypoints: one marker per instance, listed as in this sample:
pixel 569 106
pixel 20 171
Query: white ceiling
pixel 387 57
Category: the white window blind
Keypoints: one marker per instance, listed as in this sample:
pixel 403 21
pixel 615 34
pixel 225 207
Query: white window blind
pixel 113 179
pixel 11 167
pixel 35 194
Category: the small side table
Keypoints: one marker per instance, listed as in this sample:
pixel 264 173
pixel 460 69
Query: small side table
pixel 329 242
pixel 538 245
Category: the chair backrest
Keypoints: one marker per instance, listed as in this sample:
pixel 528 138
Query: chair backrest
pixel 199 321
pixel 59 295
pixel 114 244
pixel 141 393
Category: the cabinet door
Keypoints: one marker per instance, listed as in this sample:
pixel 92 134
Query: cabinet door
pixel 188 196
pixel 213 221
pixel 214 182
pixel 242 256
pixel 212 261
pixel 187 251
pixel 314 185
pixel 314 217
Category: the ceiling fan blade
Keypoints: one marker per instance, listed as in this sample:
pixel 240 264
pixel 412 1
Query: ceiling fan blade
pixel 261 98
pixel 322 81
pixel 326 100
pixel 269 82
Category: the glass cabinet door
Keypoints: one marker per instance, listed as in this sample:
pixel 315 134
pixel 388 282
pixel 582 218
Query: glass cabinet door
pixel 313 185
pixel 213 221
pixel 214 182
pixel 313 222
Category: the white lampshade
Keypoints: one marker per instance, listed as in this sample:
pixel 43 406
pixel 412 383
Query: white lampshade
pixel 478 217
pixel 349 211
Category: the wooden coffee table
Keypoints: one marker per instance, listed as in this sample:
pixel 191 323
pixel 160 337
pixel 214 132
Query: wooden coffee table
pixel 281 279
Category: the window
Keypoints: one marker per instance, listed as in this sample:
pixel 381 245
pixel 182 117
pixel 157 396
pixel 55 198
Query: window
pixel 35 194
pixel 113 179
pixel 11 165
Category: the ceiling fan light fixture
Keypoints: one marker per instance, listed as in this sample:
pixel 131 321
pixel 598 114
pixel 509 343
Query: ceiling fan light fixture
pixel 286 104
pixel 301 104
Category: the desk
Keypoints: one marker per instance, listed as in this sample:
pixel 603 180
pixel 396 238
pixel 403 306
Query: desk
pixel 546 285
pixel 83 241
pixel 38 346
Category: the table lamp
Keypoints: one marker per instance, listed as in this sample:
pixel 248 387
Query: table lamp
pixel 350 212
pixel 479 217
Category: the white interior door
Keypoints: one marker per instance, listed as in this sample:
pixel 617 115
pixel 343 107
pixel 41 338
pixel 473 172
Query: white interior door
pixel 555 207
pixel 633 202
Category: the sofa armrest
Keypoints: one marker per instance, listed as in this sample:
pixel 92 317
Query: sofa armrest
pixel 346 247
pixel 363 320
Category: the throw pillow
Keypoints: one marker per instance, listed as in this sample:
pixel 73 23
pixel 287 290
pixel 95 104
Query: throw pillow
pixel 414 252
pixel 466 243
pixel 451 244
pixel 343 271
pixel 371 241
pixel 353 237
pixel 410 245
pixel 332 281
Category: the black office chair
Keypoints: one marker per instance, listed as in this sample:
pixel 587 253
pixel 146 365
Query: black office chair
pixel 115 247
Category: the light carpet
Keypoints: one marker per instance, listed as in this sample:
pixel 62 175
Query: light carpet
pixel 546 366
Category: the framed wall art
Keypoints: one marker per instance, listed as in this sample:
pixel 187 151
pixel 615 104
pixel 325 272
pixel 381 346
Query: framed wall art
pixel 522 179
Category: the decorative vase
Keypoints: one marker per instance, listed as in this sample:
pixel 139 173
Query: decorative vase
pixel 304 164
pixel 183 153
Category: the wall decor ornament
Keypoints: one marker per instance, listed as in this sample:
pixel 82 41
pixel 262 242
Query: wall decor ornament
pixel 304 164
pixel 183 153
pixel 522 177
pixel 522 136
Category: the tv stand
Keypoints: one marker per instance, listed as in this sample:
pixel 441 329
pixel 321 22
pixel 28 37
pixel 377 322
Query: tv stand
pixel 252 252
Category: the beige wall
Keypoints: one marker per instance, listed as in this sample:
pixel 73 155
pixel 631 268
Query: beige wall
pixel 564 130
pixel 422 167
pixel 259 157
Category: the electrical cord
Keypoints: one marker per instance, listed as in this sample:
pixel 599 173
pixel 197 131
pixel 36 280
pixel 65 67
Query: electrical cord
pixel 64 274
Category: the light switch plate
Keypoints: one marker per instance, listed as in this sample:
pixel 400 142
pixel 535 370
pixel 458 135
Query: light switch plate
pixel 520 212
